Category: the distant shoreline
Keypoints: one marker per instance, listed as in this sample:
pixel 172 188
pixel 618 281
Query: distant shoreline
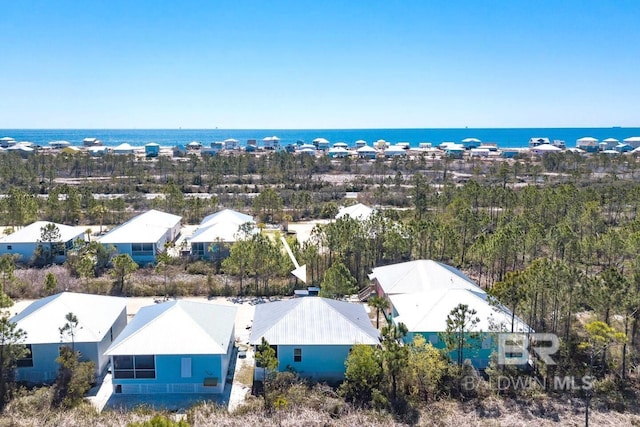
pixel 505 138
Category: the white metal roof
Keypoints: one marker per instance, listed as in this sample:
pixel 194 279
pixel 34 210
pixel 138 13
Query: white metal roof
pixel 124 146
pixel 587 139
pixel 96 314
pixel 366 149
pixel 177 327
pixel 223 231
pixel 421 276
pixel 357 211
pixel 32 232
pixel 228 216
pixel 428 311
pixel 610 140
pixel 545 147
pixel 632 139
pixel 148 227
pixel 312 321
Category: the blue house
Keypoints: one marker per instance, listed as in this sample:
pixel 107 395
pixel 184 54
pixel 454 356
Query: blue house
pixel 422 294
pixel 217 232
pixel 152 149
pixel 143 237
pixel 174 347
pixel 24 242
pixel 100 320
pixel 312 336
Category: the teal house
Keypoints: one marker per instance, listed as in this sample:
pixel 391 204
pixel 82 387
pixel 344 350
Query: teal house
pixel 217 232
pixel 423 293
pixel 100 319
pixel 143 237
pixel 174 347
pixel 312 336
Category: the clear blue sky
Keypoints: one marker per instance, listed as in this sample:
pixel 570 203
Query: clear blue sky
pixel 319 64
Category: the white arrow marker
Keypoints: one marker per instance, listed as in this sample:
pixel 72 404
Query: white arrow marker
pixel 300 271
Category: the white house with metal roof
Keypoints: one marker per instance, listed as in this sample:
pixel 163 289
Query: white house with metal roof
pixel 143 237
pixel 423 293
pixel 426 314
pixel 420 276
pixel 358 211
pixel 219 229
pixel 312 336
pixel 174 347
pixel 25 241
pixel 100 320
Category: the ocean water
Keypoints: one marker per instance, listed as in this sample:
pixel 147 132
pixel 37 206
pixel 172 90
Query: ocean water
pixel 503 137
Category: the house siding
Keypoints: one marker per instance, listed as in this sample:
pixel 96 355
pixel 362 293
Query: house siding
pixel 169 376
pixel 479 355
pixel 26 250
pixel 45 367
pixel 116 328
pixel 324 362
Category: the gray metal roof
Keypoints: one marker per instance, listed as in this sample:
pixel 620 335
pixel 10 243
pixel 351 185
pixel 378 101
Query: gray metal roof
pixel 177 327
pixel 313 321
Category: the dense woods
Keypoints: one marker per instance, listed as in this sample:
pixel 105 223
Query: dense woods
pixel 555 239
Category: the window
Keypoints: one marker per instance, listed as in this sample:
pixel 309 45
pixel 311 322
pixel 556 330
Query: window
pixel 185 367
pixel 198 249
pixel 297 355
pixel 142 366
pixel 9 247
pixel 142 248
pixel 27 360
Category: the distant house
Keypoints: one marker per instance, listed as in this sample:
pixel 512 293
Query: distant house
pixel 543 149
pixel 152 149
pixel 358 211
pixel 366 152
pixel 100 320
pixel 423 293
pixel 217 229
pixel 91 142
pixel 179 151
pixel 271 143
pixel 174 347
pixel 312 336
pixel 143 237
pixel 124 149
pixel 25 241
pixel 588 144
pixel 633 141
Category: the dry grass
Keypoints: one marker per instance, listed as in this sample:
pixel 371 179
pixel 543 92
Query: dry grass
pixel 245 375
pixel 323 409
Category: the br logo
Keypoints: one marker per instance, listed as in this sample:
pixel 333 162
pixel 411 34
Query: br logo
pixel 518 349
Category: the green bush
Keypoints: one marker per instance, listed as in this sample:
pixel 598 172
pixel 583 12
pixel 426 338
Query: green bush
pixel 160 421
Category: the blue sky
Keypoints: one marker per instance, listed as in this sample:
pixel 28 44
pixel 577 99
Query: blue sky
pixel 319 64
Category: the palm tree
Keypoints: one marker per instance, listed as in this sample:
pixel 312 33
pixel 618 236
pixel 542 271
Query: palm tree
pixel 380 304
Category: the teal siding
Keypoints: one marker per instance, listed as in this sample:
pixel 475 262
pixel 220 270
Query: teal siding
pixel 479 355
pixel 318 361
pixel 45 367
pixel 169 377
